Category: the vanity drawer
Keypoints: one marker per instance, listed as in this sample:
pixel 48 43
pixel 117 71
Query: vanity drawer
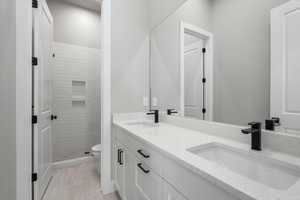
pixel 147 155
pixel 182 179
pixel 149 185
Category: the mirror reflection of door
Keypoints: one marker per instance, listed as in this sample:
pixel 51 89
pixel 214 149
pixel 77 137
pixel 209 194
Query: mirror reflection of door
pixel 285 66
pixel 194 72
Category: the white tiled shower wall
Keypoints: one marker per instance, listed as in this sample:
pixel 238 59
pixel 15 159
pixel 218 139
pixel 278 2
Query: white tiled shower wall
pixel 76 100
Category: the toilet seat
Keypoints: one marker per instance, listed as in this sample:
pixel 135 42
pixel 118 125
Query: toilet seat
pixel 96 153
pixel 97 148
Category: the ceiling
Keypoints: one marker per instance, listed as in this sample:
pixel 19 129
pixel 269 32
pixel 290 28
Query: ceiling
pixel 89 4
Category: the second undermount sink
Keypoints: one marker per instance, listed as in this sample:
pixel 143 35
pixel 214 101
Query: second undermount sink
pixel 273 173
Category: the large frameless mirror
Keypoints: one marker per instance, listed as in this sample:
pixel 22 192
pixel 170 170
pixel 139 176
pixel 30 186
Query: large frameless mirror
pixel 216 60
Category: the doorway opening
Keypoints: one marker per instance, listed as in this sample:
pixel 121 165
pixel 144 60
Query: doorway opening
pixel 196 72
pixel 67 66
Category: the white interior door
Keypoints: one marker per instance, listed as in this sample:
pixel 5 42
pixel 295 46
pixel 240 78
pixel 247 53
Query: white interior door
pixel 193 86
pixel 42 41
pixel 285 65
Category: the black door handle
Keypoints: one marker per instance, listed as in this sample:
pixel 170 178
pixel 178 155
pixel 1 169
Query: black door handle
pixel 53 117
pixel 140 165
pixel 121 157
pixel 140 151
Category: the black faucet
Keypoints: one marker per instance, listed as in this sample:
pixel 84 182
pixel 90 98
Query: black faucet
pixel 156 115
pixel 255 132
pixel 271 123
pixel 171 111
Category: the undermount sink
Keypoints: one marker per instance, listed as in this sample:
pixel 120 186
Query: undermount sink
pixel 141 124
pixel 273 173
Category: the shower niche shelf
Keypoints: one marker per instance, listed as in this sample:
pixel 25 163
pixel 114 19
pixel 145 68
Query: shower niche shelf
pixel 78 91
pixel 78 98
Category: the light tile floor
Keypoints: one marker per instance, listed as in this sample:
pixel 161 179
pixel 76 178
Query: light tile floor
pixel 80 182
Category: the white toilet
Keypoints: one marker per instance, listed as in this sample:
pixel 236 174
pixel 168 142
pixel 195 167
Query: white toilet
pixel 96 153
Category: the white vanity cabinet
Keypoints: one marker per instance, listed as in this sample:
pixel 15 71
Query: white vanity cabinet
pixel 142 173
pixel 130 177
pixel 148 183
pixel 170 193
pixel 134 180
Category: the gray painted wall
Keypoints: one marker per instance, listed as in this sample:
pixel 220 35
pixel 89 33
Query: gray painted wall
pixel 130 54
pixel 242 59
pixel 165 48
pixel 131 24
pixel 8 100
pixel 161 9
pixel 75 25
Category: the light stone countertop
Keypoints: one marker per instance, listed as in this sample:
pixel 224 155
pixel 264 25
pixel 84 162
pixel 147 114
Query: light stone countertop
pixel 173 142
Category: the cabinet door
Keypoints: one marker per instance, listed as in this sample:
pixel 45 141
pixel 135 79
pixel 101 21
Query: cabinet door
pixel 119 169
pixel 148 184
pixel 170 193
pixel 130 189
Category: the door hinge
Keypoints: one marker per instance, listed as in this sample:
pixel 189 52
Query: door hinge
pixel 35 3
pixel 34 177
pixel 204 80
pixel 34 119
pixel 203 110
pixel 34 61
pixel 203 50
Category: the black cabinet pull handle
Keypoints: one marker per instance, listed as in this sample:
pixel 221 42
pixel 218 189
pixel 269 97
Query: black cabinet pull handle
pixel 121 157
pixel 140 165
pixel 144 155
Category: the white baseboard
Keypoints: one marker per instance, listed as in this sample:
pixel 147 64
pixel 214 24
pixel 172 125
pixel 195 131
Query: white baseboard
pixel 109 188
pixel 72 162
